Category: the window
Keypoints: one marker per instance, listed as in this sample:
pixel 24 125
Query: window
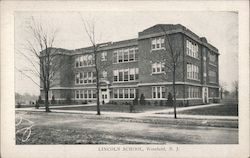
pixel 85 94
pixel 157 43
pixel 115 93
pixel 94 93
pixel 90 77
pixel 212 76
pixel 77 94
pixel 120 75
pixel 77 78
pixel 115 57
pixel 126 74
pixel 115 74
pixel 85 77
pixel 121 93
pixel 104 56
pixel 192 49
pixel 136 73
pixel 89 94
pixel 158 68
pixel 81 78
pixel 192 72
pixel 120 56
pixel 131 54
pixel 136 54
pixel 132 93
pixel 158 92
pixel 193 92
pixel 132 74
pixel 77 62
pixel 84 60
pixel 104 74
pixel 81 94
pixel 212 58
pixel 126 93
pixel 125 55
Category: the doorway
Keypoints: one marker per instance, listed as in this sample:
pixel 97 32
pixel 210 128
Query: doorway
pixel 105 96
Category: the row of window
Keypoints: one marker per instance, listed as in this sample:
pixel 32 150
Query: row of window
pixel 192 71
pixel 193 92
pixel 192 49
pixel 158 68
pixel 158 92
pixel 85 77
pixel 124 75
pixel 84 60
pixel 125 93
pixel 125 55
pixel 85 94
pixel 157 43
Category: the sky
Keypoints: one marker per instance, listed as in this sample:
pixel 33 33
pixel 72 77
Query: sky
pixel 220 29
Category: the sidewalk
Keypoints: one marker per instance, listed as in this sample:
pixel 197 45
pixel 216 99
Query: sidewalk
pixel 156 113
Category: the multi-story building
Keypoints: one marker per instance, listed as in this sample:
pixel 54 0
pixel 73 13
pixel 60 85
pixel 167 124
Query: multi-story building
pixel 139 66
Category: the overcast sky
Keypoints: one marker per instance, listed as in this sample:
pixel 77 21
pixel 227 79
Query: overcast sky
pixel 220 29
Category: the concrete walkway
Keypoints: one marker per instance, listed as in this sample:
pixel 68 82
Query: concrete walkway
pixel 155 113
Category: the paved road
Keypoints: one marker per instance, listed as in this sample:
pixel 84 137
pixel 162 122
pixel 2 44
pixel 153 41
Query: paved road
pixel 119 131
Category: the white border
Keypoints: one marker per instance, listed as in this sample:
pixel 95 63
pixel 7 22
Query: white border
pixel 8 147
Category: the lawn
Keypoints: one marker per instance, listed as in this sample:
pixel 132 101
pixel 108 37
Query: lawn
pixel 228 109
pixel 116 108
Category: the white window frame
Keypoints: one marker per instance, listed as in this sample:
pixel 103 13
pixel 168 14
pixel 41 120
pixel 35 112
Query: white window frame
pixel 158 40
pixel 104 56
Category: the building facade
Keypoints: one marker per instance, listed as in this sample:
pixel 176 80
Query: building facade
pixel 142 66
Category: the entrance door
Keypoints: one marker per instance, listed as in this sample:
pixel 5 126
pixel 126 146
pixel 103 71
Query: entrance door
pixel 104 96
pixel 205 95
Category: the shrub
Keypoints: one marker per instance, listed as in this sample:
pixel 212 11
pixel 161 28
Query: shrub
pixel 149 103
pixel 37 105
pixel 155 103
pixel 18 105
pixel 53 100
pixel 40 100
pixel 68 99
pixel 161 103
pixel 142 99
pixel 135 101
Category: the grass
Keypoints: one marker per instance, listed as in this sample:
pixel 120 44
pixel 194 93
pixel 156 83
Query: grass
pixel 116 108
pixel 227 109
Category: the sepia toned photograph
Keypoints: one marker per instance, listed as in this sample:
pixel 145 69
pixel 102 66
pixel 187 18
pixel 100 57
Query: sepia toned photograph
pixel 116 79
pixel 126 77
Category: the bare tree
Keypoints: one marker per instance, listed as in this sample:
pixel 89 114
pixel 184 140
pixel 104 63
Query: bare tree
pixel 44 60
pixel 236 89
pixel 171 63
pixel 89 28
pixel 222 88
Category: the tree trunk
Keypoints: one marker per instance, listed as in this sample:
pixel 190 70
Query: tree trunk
pixel 174 102
pixel 46 103
pixel 97 85
pixel 98 99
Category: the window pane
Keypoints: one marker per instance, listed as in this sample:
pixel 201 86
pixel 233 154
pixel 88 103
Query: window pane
pixel 126 93
pixel 120 93
pixel 126 75
pixel 120 76
pixel 132 93
pixel 126 55
pixel 115 57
